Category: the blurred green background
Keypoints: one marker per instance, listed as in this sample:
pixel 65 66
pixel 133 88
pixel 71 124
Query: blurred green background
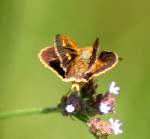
pixel 27 26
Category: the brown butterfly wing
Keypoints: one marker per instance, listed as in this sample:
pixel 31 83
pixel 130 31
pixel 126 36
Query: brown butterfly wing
pixel 66 50
pixel 49 58
pixel 105 62
pixel 94 52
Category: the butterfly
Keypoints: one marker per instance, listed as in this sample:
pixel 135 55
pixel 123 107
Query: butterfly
pixel 73 64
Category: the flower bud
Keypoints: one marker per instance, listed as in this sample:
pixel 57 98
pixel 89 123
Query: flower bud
pixel 99 127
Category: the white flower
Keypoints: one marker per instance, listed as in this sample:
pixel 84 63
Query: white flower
pixel 70 108
pixel 115 125
pixel 104 108
pixel 113 89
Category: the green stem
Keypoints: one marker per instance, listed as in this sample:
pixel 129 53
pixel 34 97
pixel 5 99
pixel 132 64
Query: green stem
pixel 104 137
pixel 25 112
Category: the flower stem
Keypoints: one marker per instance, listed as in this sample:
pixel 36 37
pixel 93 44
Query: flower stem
pixel 104 137
pixel 25 112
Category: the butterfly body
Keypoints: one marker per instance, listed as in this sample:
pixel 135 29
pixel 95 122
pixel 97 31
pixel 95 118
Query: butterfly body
pixel 79 66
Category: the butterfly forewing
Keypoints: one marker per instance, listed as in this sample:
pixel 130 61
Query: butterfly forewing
pixel 94 52
pixel 65 50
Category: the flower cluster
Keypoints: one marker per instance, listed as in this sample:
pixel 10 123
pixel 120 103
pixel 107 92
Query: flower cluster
pixel 107 101
pixel 86 104
pixel 100 127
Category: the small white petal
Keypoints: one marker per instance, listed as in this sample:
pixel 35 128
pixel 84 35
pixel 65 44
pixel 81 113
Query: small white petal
pixel 113 83
pixel 111 120
pixel 113 89
pixel 70 108
pixel 104 108
pixel 115 125
pixel 116 122
pixel 117 88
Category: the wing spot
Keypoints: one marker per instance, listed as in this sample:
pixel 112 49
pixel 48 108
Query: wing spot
pixel 68 56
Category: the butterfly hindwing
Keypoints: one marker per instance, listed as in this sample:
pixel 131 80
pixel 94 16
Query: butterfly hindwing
pixel 105 62
pixel 49 58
